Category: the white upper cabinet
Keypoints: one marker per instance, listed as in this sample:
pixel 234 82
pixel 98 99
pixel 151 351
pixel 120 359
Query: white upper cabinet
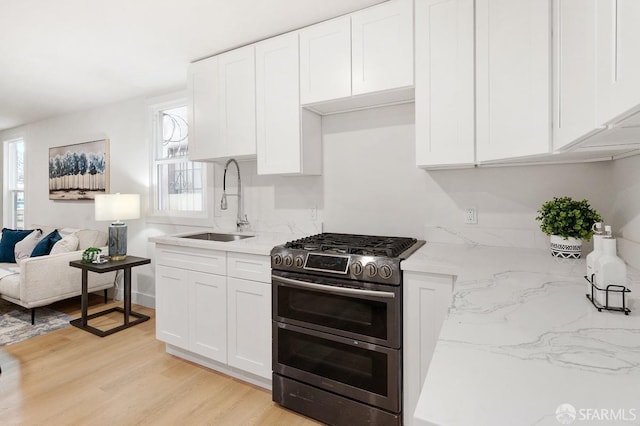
pixel 575 97
pixel 222 100
pixel 444 94
pixel 237 100
pixel 325 61
pixel 618 29
pixel 513 78
pixel 382 47
pixel 288 138
pixel 203 107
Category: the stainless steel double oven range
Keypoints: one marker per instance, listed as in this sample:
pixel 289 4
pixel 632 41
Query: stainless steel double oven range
pixel 337 327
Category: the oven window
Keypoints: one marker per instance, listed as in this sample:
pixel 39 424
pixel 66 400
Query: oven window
pixel 355 315
pixel 361 368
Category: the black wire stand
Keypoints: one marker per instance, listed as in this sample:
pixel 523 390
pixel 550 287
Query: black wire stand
pixel 611 288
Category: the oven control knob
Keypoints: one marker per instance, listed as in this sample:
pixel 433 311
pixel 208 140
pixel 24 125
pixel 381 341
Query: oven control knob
pixel 371 269
pixel 356 268
pixel 277 259
pixel 299 262
pixel 386 271
pixel 288 260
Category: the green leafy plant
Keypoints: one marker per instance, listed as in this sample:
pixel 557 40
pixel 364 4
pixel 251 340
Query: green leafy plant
pixel 90 254
pixel 567 217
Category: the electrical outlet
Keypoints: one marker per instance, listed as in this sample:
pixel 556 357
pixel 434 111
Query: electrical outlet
pixel 471 215
pixel 314 213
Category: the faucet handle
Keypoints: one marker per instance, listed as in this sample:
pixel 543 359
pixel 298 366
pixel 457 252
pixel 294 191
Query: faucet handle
pixel 241 223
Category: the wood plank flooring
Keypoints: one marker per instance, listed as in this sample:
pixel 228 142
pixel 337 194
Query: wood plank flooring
pixel 72 377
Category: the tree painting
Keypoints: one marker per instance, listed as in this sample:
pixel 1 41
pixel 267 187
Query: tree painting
pixel 78 172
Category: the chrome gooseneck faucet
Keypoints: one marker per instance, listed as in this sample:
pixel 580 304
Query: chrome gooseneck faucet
pixel 241 220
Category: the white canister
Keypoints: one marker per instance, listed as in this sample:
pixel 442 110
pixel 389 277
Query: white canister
pixel 609 269
pixel 597 251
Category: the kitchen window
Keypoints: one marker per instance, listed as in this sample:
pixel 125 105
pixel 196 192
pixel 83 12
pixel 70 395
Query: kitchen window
pixel 180 191
pixel 13 188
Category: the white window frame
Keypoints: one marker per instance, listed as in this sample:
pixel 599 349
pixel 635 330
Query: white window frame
pixel 10 187
pixel 175 217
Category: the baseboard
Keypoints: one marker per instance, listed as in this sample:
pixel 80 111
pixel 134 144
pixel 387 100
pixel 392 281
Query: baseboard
pixel 146 300
pixel 220 367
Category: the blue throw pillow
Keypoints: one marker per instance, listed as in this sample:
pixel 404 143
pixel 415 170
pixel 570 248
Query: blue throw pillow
pixel 8 243
pixel 45 245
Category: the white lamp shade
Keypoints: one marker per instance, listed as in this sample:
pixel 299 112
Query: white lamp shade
pixel 117 207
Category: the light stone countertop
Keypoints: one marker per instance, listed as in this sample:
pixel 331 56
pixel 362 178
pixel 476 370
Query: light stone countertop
pixel 259 243
pixel 521 339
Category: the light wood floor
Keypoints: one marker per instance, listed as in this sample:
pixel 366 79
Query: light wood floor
pixel 71 377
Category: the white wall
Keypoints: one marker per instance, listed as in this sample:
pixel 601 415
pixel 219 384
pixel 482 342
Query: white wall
pixel 273 203
pixel 626 207
pixel 369 185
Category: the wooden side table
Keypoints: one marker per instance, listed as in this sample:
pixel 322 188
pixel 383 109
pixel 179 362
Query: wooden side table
pixel 126 265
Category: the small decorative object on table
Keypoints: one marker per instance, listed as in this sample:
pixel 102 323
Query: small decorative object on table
pixel 91 255
pixel 568 222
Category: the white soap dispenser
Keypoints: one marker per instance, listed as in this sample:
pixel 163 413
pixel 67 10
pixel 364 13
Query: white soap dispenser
pixel 609 269
pixel 598 235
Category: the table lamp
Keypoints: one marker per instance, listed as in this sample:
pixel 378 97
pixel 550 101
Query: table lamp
pixel 117 207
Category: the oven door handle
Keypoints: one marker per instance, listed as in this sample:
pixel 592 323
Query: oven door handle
pixel 334 289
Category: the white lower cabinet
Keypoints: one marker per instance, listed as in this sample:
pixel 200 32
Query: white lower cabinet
pixel 427 298
pixel 191 311
pixel 214 308
pixel 208 315
pixel 249 307
pixel 172 303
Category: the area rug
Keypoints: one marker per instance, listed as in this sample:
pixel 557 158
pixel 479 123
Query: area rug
pixel 15 322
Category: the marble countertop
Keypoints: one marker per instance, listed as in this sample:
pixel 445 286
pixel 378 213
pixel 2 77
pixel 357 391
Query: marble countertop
pixel 521 340
pixel 259 243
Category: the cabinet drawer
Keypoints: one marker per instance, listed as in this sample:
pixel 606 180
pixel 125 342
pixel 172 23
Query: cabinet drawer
pixel 249 266
pixel 209 261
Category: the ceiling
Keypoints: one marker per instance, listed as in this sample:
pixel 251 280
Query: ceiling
pixel 62 56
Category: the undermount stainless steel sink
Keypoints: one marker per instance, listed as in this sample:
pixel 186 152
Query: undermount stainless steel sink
pixel 214 236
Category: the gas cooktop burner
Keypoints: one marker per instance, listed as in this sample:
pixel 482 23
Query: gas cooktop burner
pixel 364 245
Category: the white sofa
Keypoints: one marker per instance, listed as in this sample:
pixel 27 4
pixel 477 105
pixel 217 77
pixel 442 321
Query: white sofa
pixel 39 281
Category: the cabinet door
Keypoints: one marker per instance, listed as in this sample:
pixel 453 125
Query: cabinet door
pixel 208 315
pixel 513 78
pixel 445 97
pixel 574 71
pixel 278 105
pixel 382 47
pixel 426 301
pixel 237 100
pixel 249 307
pixel 288 138
pixel 203 109
pixel 618 57
pixel 325 61
pixel 172 306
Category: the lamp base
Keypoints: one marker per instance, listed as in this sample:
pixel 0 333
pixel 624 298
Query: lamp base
pixel 116 258
pixel 117 241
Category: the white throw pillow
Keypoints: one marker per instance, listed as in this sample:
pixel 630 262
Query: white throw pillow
pixel 65 245
pixel 24 247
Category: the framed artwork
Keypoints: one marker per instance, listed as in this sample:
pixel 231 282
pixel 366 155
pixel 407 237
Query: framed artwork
pixel 80 171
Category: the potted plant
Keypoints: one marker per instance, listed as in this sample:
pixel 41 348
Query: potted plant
pixel 568 222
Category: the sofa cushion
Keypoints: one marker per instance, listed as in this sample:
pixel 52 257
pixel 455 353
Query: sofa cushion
pixel 24 248
pixel 8 243
pixel 91 238
pixel 10 280
pixel 45 245
pixel 65 245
